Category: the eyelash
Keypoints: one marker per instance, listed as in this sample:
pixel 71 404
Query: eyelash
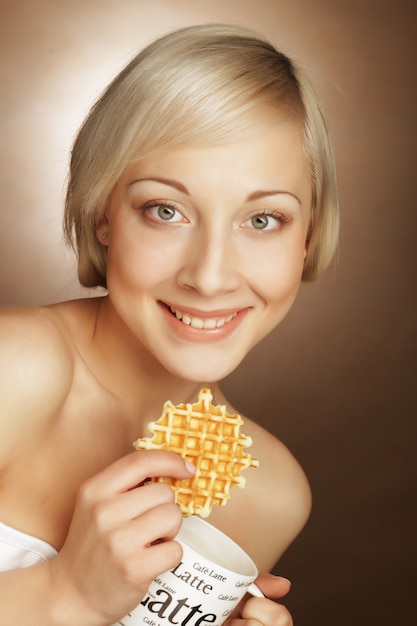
pixel 154 204
pixel 147 206
pixel 282 219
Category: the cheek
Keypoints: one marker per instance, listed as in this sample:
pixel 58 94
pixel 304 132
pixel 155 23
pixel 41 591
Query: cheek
pixel 276 274
pixel 140 261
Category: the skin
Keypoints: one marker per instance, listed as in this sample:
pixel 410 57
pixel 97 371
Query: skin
pixel 211 232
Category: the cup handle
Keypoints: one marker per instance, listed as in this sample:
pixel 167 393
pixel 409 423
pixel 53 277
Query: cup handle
pixel 255 591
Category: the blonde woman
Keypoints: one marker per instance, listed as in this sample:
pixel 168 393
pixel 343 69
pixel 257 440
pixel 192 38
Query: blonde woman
pixel 201 192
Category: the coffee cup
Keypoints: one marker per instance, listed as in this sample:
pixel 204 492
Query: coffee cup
pixel 212 577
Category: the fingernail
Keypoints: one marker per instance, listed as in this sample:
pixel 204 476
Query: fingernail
pixel 190 467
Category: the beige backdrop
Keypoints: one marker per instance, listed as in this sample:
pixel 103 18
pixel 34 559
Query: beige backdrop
pixel 335 380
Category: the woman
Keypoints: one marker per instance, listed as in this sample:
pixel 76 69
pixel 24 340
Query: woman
pixel 201 192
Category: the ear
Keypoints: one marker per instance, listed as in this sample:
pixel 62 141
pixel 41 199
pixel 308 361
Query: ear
pixel 306 246
pixel 102 231
pixel 307 242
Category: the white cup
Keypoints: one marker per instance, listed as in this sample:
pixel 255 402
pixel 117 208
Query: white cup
pixel 203 589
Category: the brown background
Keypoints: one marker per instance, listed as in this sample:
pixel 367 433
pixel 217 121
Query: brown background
pixel 336 381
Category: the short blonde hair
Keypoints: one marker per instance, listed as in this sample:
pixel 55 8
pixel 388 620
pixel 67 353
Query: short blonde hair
pixel 201 85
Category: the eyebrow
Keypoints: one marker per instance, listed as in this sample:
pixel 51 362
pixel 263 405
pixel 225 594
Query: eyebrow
pixel 163 181
pixel 259 194
pixel 254 195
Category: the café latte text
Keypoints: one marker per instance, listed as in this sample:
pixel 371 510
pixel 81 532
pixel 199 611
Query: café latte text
pixel 177 611
pixel 197 581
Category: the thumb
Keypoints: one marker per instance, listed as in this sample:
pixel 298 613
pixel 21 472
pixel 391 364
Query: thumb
pixel 273 586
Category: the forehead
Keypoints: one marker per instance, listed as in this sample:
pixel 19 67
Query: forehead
pixel 272 158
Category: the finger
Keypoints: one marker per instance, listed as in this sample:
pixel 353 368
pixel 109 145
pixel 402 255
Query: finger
pixel 133 469
pixel 162 557
pixel 238 621
pixel 267 612
pixel 147 544
pixel 273 586
pixel 122 508
pixel 155 525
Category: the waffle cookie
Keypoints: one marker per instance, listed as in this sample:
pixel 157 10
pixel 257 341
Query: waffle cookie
pixel 210 438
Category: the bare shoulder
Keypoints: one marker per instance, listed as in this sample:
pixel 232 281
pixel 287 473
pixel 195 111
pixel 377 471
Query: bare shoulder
pixel 275 504
pixel 281 476
pixel 35 372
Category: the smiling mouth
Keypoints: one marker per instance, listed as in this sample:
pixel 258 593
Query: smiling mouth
pixel 206 324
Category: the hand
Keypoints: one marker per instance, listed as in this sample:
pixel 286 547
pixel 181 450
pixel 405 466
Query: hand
pixel 265 610
pixel 113 549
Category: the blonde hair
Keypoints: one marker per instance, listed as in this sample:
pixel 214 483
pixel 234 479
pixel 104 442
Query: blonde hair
pixel 201 85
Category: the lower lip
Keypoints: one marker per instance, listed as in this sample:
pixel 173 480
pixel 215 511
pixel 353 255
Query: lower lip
pixel 190 333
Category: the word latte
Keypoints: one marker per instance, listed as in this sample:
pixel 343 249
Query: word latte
pixel 177 611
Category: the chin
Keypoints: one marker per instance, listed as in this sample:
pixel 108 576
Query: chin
pixel 203 372
pixel 203 376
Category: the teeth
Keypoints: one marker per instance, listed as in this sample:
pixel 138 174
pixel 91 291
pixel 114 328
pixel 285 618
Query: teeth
pixel 195 322
pixel 210 324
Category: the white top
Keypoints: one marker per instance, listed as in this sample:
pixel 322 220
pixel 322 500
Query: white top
pixel 18 550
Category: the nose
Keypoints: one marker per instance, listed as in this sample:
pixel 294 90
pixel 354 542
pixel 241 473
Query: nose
pixel 210 265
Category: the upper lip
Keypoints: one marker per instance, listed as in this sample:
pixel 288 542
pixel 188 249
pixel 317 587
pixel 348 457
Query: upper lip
pixel 217 313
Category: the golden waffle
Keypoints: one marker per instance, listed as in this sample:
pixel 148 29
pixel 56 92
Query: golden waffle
pixel 210 438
